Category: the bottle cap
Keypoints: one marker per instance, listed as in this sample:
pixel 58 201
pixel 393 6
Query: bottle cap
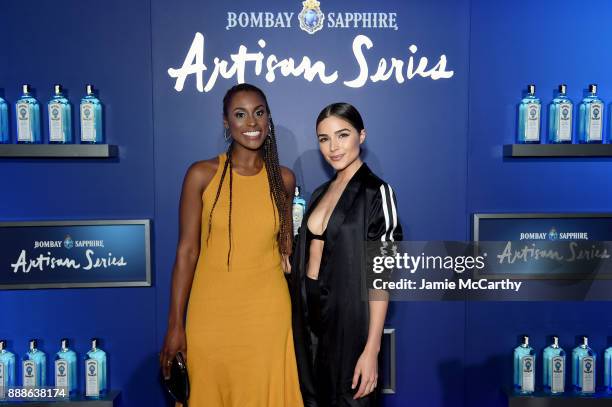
pixel 555 341
pixel 525 340
pixel 65 343
pixel 531 89
pixel 33 344
pixel 89 89
pixel 593 88
pixel 562 88
pixel 94 343
pixel 2 344
pixel 25 88
pixel 585 341
pixel 297 191
pixel 57 88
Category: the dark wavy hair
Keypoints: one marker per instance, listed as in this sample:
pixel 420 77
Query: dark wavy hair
pixel 278 195
pixel 344 111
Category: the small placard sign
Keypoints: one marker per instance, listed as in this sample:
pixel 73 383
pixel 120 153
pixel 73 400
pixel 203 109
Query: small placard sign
pixel 63 254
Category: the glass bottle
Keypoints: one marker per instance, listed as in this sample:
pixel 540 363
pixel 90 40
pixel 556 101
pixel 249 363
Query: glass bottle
pixel 28 118
pixel 91 118
pixel 560 118
pixel 4 129
pixel 34 366
pixel 524 367
pixel 7 369
pixel 529 118
pixel 590 129
pixel 608 369
pixel 66 368
pixel 95 371
pixel 298 209
pixel 583 368
pixel 60 127
pixel 554 368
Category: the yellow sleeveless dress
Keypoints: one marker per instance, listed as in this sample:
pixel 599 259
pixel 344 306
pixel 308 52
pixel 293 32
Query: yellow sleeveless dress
pixel 239 340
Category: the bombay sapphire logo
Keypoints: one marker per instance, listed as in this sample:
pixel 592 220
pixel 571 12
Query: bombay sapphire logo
pixel 87 112
pixel 596 113
pixel 61 370
pixel 557 367
pixel 528 366
pixel 311 17
pixel 68 242
pixel 588 366
pixel 565 113
pixel 553 235
pixel 29 371
pixel 55 113
pixel 532 113
pixel 92 369
pixel 22 113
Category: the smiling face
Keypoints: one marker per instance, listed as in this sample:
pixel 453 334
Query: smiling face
pixel 339 142
pixel 247 119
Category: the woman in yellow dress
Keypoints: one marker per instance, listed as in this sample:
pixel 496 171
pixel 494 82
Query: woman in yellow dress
pixel 234 242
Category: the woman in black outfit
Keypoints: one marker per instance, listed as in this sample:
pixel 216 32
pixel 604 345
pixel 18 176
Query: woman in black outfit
pixel 337 329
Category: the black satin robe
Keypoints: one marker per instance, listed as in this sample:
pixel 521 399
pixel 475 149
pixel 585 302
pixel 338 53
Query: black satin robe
pixel 366 211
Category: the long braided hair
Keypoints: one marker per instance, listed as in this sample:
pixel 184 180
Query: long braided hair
pixel 278 195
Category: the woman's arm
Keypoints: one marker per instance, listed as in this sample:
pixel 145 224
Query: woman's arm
pixel 187 253
pixel 383 226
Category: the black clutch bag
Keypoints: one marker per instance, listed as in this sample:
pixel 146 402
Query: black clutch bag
pixel 178 383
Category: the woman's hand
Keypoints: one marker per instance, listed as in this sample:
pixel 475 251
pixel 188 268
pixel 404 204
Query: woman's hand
pixel 174 342
pixel 286 263
pixel 367 369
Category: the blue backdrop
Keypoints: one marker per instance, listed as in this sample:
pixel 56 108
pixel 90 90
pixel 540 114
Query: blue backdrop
pixel 438 142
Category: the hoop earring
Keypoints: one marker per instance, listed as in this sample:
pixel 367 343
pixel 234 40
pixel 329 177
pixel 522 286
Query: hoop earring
pixel 226 134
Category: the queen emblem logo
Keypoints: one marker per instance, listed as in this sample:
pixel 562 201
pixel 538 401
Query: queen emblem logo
pixel 311 17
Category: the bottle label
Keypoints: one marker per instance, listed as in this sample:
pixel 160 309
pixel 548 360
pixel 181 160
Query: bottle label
pixel 3 380
pixel 595 121
pixel 588 374
pixel 56 122
pixel 565 122
pixel 62 373
pixel 29 373
pixel 527 376
pixel 24 129
pixel 557 368
pixel 88 128
pixel 298 215
pixel 92 380
pixel 532 127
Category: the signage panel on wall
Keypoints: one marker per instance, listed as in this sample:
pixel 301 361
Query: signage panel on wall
pixel 63 254
pixel 532 245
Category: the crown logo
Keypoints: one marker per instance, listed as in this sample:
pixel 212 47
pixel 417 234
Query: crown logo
pixel 311 4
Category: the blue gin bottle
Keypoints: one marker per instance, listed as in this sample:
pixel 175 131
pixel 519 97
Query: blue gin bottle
pixel 560 118
pixel 583 368
pixel 95 371
pixel 524 367
pixel 34 366
pixel 28 118
pixel 529 118
pixel 7 369
pixel 297 210
pixel 66 368
pixel 60 126
pixel 608 369
pixel 554 368
pixel 590 127
pixel 91 118
pixel 4 129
